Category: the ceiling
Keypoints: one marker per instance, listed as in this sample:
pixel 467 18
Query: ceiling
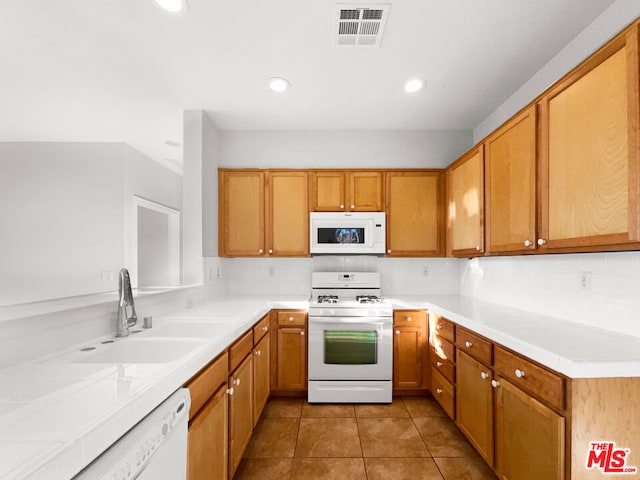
pixel 123 70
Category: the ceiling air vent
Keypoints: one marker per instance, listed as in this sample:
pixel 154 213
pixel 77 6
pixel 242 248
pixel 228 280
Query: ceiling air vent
pixel 361 25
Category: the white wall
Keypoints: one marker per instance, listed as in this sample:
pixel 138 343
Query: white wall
pixel 342 148
pixel 211 138
pixel 614 19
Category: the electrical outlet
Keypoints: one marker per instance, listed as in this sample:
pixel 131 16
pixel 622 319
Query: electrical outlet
pixel 218 272
pixel 585 281
pixel 426 271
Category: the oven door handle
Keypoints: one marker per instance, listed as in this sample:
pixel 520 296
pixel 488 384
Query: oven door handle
pixel 360 320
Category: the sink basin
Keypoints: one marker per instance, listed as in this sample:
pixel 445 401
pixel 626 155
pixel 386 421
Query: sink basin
pixel 185 329
pixel 139 351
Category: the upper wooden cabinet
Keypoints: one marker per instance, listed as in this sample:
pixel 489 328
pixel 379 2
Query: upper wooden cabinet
pixel 415 213
pixel 346 191
pixel 263 213
pixel 510 184
pixel 589 151
pixel 466 203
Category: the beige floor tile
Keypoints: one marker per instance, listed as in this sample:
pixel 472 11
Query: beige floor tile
pixel 464 469
pixel 390 437
pixel 423 407
pixel 264 469
pixel 328 437
pixel 391 410
pixel 401 469
pixel 273 437
pixel 283 407
pixel 328 469
pixel 328 410
pixel 443 438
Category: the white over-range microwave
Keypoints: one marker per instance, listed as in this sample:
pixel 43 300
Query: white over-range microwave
pixel 356 233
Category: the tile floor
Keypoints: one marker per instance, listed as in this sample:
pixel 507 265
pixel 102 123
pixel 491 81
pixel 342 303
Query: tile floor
pixel 412 438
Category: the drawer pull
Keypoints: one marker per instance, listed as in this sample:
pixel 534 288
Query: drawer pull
pixel 495 383
pixel 439 327
pixel 230 391
pixel 519 373
pixel 438 364
pixel 439 391
pixel 484 375
pixel 468 344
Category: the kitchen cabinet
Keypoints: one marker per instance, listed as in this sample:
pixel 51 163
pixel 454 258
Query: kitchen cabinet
pixel 207 441
pixel 347 191
pixel 415 213
pixel 466 203
pixel 510 185
pixel 442 359
pixel 289 352
pixel 261 367
pixel 590 152
pixel 240 412
pixel 263 213
pixel 410 352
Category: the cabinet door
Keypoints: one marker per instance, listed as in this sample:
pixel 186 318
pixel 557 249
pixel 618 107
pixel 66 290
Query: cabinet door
pixel 241 210
pixel 288 214
pixel 529 436
pixel 240 412
pixel 328 191
pixel 207 440
pixel 510 180
pixel 415 206
pixel 408 346
pixel 590 152
pixel 292 358
pixel 365 191
pixel 474 404
pixel 466 203
pixel 261 379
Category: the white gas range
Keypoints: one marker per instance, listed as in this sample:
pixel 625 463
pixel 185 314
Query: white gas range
pixel 350 339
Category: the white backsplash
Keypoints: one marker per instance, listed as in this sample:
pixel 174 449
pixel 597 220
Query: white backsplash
pixel 551 285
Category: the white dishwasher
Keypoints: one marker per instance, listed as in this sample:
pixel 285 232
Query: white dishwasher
pixel 154 449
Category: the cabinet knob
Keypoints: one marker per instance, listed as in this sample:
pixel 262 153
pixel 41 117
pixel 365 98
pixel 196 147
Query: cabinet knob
pixel 261 251
pixel 352 207
pixel 438 327
pixel 236 382
pixel 542 241
pixel 408 319
pixel 439 391
pixel 270 251
pixel 519 373
pixel 341 206
pixel 258 353
pixel 484 375
pixel 265 328
pixel 468 344
pixel 389 251
pixel 478 248
pixel 397 332
pixel 302 334
pixel 527 243
pixel 438 364
pixel 495 383
pixel 230 391
pixel 291 319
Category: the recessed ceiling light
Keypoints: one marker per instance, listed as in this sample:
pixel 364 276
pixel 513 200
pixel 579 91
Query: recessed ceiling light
pixel 173 6
pixel 414 85
pixel 279 84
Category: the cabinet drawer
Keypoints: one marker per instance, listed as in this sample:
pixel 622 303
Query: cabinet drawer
pixel 441 327
pixel 444 366
pixel 474 345
pixel 240 349
pixel 409 318
pixel 260 329
pixel 443 349
pixel 443 392
pixel 205 383
pixel 539 381
pixel 292 318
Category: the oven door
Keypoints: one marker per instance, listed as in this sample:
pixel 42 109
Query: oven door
pixel 350 348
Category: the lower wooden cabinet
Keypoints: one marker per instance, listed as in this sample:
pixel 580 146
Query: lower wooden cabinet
pixel 474 404
pixel 530 437
pixel 410 352
pixel 240 412
pixel 289 351
pixel 261 377
pixel 207 440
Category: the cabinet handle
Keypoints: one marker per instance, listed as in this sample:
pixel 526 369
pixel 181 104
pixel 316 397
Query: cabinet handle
pixel 261 251
pixel 341 206
pixel 495 383
pixel 438 364
pixel 519 373
pixel 468 344
pixel 438 327
pixel 230 391
pixel 270 251
pixel 542 241
pixel 439 391
pixel 397 332
pixel 527 243
pixel 478 248
pixel 352 207
pixel 302 334
pixel 484 375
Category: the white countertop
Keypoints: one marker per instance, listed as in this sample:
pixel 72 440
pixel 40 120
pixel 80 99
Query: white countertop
pixel 56 416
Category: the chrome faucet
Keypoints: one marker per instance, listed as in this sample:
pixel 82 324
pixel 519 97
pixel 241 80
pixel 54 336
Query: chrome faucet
pixel 124 321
